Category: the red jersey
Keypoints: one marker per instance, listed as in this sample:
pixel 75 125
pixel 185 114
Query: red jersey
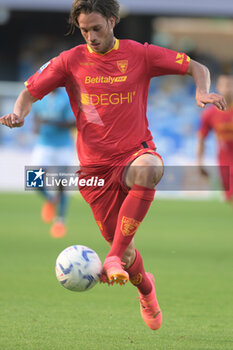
pixel 221 122
pixel 108 94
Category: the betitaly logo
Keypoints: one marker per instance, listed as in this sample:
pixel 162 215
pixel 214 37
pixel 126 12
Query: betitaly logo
pixel 35 178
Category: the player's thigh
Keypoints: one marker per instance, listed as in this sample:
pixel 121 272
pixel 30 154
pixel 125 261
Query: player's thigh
pixel 147 166
pixel 105 210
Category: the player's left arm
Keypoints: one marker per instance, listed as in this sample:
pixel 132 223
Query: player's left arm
pixel 201 77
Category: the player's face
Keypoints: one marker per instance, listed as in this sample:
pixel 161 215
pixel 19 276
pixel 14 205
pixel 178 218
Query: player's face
pixel 225 86
pixel 97 31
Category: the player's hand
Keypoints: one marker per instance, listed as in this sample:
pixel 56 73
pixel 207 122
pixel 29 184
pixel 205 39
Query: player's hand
pixel 12 120
pixel 215 99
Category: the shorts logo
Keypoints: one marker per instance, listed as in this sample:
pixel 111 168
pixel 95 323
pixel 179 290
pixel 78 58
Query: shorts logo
pixel 35 178
pixel 122 66
pixel 136 280
pixel 129 226
pixel 99 223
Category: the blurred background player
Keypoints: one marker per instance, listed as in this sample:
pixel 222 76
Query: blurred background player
pixel 221 123
pixel 54 148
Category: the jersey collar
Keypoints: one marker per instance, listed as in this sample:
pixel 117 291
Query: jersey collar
pixel 115 47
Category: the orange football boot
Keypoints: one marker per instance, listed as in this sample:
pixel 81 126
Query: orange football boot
pixel 48 212
pixel 114 270
pixel 104 278
pixel 150 310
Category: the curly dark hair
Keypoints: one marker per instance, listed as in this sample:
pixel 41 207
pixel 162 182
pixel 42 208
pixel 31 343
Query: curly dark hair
pixel 107 8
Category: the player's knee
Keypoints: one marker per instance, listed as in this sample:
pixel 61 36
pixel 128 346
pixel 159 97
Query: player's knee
pixel 148 174
pixel 129 257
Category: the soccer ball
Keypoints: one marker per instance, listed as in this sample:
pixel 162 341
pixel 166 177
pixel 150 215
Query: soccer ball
pixel 78 268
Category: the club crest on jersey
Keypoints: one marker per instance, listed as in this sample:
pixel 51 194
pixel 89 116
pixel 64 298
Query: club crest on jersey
pixel 129 226
pixel 122 66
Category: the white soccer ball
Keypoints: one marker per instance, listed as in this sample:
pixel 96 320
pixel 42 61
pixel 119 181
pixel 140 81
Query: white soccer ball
pixel 78 268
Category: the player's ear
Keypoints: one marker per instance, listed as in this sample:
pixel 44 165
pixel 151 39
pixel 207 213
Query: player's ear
pixel 76 22
pixel 112 22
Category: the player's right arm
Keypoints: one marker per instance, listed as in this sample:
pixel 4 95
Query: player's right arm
pixel 22 107
pixel 162 61
pixel 46 79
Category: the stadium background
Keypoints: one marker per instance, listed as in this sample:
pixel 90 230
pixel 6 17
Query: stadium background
pixel 33 32
pixel 186 244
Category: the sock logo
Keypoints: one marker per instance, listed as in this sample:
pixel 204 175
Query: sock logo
pixel 129 226
pixel 136 280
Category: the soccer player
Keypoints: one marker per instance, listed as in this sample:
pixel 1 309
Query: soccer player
pixel 54 147
pixel 107 81
pixel 221 123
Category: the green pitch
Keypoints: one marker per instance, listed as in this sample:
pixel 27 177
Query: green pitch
pixel 187 245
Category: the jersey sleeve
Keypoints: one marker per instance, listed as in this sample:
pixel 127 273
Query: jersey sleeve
pixel 205 123
pixel 49 77
pixel 162 61
pixel 67 111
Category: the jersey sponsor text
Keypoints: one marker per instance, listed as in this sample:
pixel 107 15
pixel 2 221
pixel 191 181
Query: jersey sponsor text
pixel 115 98
pixel 105 80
